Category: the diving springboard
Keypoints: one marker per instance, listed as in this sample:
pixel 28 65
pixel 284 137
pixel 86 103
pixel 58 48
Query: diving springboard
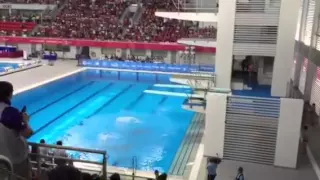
pixel 197 76
pixel 172 86
pixel 173 94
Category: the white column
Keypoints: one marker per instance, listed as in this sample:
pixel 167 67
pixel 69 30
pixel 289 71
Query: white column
pixel 285 47
pixel 299 61
pixel 226 19
pixel 311 72
pixel 215 124
pixel 288 135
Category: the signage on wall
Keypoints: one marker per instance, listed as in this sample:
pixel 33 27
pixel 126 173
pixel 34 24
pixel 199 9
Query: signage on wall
pixel 179 68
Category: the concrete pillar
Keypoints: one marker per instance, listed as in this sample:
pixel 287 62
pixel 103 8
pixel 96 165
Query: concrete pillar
pixel 285 47
pixel 226 19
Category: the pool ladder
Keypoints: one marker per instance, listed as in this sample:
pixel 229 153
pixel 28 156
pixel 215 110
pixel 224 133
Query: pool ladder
pixel 134 166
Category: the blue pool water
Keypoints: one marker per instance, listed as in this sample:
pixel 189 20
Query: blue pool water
pixel 3 65
pixel 109 111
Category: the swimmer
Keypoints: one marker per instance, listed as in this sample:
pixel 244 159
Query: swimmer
pixel 81 123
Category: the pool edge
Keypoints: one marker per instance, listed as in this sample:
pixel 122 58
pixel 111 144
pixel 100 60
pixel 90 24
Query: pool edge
pixel 47 81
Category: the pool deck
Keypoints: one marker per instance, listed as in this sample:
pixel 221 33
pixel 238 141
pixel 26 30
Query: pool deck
pixel 31 78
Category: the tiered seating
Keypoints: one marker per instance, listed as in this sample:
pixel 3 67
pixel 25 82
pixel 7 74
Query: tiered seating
pixel 152 28
pixel 84 19
pixel 16 28
pixel 100 20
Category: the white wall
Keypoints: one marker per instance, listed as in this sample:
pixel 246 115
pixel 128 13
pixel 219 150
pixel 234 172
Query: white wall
pixel 25 47
pixel 226 20
pixel 205 58
pixel 285 47
pixel 215 124
pixel 289 127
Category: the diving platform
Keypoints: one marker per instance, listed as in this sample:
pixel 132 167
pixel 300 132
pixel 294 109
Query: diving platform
pixel 195 104
pixel 197 81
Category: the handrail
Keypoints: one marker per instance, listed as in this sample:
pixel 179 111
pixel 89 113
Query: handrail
pixel 68 148
pixel 134 166
pixel 38 156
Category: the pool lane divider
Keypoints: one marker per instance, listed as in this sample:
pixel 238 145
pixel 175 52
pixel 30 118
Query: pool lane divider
pixel 110 101
pixel 72 108
pixel 132 104
pixel 61 98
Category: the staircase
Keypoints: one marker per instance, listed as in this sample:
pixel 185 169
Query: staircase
pixel 251 129
pixel 124 14
pixel 137 15
pixel 48 14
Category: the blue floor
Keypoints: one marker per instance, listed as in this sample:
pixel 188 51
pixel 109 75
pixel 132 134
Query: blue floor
pixel 257 91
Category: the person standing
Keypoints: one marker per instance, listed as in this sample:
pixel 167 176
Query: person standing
pixel 240 174
pixel 60 153
pixel 212 168
pixel 14 129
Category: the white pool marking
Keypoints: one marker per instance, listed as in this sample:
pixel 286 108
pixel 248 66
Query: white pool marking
pixel 172 86
pixel 47 81
pixel 173 93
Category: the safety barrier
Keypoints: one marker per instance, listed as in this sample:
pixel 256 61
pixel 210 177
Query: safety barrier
pixel 37 158
pixel 160 67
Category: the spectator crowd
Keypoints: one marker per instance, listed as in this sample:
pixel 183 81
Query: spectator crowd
pixel 100 20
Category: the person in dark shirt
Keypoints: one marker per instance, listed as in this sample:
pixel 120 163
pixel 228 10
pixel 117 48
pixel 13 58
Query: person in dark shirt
pixel 240 174
pixel 14 129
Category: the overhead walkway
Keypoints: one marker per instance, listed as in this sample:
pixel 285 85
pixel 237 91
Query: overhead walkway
pixel 189 16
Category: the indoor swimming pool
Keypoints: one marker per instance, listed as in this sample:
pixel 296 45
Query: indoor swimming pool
pixel 110 111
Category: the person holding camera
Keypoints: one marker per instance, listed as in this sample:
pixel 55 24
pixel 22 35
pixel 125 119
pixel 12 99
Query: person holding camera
pixel 14 131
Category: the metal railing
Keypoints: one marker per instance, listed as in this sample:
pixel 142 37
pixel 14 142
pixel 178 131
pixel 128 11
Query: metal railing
pixel 37 158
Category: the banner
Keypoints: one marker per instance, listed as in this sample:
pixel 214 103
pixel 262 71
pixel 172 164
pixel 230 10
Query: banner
pixel 104 44
pixel 162 67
